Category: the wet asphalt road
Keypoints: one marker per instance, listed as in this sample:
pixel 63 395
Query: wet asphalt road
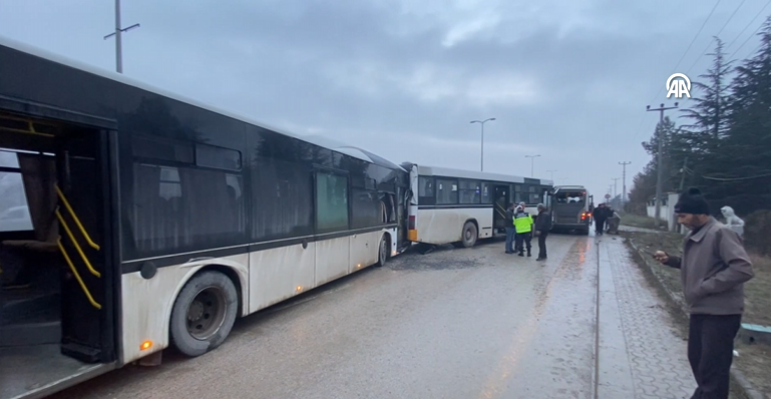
pixel 456 323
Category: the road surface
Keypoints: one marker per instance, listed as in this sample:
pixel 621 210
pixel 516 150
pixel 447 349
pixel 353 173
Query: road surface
pixel 455 323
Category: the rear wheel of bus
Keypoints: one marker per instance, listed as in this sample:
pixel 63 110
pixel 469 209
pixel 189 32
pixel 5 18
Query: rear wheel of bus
pixel 382 251
pixel 203 313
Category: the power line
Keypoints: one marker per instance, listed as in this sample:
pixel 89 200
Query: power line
pixel 697 35
pixel 637 133
pixel 748 25
pixel 718 34
pixel 748 39
pixel 735 178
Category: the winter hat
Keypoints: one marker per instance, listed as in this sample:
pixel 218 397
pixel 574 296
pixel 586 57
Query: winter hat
pixel 692 202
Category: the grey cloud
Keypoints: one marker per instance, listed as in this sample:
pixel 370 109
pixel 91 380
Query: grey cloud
pixel 378 74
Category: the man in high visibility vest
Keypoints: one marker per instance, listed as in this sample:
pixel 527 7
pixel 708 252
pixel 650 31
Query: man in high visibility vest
pixel 523 223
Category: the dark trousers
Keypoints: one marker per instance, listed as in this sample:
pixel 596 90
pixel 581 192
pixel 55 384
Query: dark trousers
pixel 599 226
pixel 710 352
pixel 542 244
pixel 510 232
pixel 520 239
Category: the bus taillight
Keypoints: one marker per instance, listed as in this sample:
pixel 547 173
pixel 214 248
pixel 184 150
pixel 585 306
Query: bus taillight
pixel 411 223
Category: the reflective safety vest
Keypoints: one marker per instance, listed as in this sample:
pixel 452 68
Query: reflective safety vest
pixel 523 222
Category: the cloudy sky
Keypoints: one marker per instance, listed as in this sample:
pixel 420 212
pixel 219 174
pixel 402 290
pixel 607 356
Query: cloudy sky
pixel 566 80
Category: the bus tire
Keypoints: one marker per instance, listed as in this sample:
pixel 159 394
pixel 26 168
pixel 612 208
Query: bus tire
pixel 469 234
pixel 382 251
pixel 203 313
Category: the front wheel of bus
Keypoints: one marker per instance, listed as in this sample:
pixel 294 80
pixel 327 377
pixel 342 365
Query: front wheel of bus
pixel 203 314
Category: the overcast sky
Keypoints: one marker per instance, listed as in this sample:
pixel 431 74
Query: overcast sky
pixel 566 80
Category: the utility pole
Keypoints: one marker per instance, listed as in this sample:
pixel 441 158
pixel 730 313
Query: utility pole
pixel 615 186
pixel 118 42
pixel 482 157
pixel 659 177
pixel 623 181
pixel 682 176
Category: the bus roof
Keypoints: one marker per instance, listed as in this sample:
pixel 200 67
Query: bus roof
pixel 118 77
pixel 470 174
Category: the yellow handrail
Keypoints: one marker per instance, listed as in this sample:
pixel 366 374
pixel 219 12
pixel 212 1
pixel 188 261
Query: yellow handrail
pixel 75 243
pixel 75 217
pixel 77 276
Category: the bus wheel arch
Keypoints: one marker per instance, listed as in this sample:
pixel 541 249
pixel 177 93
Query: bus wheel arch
pixel 205 310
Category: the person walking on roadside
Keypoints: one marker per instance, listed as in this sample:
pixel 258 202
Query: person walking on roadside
pixel 714 267
pixel 542 227
pixel 510 230
pixel 523 223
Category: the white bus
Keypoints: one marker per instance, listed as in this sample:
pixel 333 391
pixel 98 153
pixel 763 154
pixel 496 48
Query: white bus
pixel 135 220
pixel 454 206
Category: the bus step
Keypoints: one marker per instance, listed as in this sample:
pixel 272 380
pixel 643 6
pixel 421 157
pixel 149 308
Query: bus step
pixel 30 333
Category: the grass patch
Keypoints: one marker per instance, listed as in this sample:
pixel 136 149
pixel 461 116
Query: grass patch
pixel 645 222
pixel 753 361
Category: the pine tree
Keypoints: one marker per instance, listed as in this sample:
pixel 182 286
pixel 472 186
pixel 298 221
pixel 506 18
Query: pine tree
pixel 746 151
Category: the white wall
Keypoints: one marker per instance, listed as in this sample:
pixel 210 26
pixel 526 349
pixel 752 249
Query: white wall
pixel 667 210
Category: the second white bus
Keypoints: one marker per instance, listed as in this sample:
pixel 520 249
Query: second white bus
pixel 459 207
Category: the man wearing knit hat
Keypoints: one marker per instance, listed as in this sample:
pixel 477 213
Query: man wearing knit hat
pixel 713 269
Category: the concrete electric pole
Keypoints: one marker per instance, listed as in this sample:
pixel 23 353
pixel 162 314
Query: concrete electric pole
pixel 623 181
pixel 118 42
pixel 660 138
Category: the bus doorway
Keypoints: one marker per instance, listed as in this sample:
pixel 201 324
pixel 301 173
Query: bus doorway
pixel 501 204
pixel 57 304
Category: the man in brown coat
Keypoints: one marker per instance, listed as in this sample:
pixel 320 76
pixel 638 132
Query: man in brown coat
pixel 713 270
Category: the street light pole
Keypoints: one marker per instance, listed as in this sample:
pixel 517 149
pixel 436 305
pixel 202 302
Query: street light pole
pixel 118 38
pixel 532 164
pixel 482 157
pixel 552 173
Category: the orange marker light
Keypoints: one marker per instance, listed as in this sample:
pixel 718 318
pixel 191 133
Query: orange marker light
pixel 146 345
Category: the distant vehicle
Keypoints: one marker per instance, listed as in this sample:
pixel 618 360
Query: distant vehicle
pixel 454 206
pixel 571 209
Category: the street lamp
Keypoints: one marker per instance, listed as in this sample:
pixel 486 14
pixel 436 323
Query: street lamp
pixel 482 157
pixel 552 173
pixel 532 164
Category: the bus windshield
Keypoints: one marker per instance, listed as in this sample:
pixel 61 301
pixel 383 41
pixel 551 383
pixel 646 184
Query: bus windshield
pixel 570 197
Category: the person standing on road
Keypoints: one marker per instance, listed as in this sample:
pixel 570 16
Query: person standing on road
pixel 523 223
pixel 510 230
pixel 713 269
pixel 542 227
pixel 600 215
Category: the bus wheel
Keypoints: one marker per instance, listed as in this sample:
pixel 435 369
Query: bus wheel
pixel 469 234
pixel 203 314
pixel 382 252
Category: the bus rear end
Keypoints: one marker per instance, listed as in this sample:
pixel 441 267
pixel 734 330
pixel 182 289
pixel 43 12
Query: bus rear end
pixel 571 209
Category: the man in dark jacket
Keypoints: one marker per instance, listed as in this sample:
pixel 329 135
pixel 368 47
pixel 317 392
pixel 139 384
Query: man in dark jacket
pixel 600 215
pixel 542 227
pixel 713 270
pixel 510 231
